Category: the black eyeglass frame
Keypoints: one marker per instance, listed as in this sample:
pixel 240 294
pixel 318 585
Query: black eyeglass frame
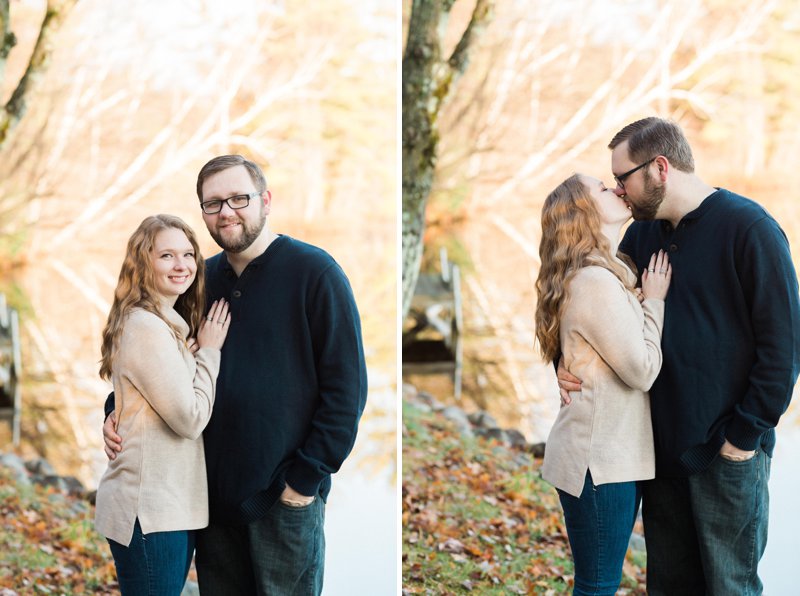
pixel 621 178
pixel 250 196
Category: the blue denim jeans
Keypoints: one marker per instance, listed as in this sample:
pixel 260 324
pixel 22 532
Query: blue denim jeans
pixel 705 534
pixel 154 564
pixel 599 526
pixel 281 553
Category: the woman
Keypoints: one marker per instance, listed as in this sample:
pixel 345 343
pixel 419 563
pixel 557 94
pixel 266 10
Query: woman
pixel 588 312
pixel 154 494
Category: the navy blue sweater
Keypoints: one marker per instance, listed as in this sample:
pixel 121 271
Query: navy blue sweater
pixel 731 339
pixel 292 384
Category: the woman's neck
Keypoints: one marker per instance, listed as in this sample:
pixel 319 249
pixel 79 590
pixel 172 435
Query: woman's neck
pixel 166 302
pixel 612 232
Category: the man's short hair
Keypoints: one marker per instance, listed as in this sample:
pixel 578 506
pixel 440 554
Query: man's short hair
pixel 653 136
pixel 223 162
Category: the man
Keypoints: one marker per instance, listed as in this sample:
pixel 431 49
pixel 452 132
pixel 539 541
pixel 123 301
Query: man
pixel 731 347
pixel 290 392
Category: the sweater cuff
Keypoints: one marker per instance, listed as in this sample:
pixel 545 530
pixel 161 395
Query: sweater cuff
pixel 742 435
pixel 304 479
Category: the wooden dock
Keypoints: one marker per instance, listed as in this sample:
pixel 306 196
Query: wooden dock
pixel 10 369
pixel 432 342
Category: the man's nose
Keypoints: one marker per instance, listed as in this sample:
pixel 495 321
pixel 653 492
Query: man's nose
pixel 225 210
pixel 619 191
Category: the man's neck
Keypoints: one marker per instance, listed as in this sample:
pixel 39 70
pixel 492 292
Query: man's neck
pixel 686 193
pixel 240 260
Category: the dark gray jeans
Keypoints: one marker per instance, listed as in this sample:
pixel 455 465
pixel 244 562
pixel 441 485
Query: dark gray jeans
pixel 281 554
pixel 705 534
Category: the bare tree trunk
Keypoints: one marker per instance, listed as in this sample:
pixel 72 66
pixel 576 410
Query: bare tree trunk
pixel 12 112
pixel 428 80
pixel 7 38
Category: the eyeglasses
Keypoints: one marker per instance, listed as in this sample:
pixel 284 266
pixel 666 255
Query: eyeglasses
pixel 621 178
pixel 234 202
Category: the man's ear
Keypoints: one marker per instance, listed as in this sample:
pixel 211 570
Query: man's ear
pixel 266 196
pixel 663 167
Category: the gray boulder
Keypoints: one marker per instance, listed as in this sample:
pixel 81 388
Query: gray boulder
pixel 459 418
pixel 16 466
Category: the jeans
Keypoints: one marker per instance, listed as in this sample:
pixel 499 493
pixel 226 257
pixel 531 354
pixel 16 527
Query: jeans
pixel 599 526
pixel 282 553
pixel 705 534
pixel 154 564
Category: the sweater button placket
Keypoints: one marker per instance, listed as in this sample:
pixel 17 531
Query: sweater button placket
pixel 237 294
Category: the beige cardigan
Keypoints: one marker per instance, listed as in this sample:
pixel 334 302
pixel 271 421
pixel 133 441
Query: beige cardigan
pixel 163 399
pixel 613 344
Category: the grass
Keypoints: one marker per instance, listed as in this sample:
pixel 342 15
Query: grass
pixel 49 543
pixel 478 518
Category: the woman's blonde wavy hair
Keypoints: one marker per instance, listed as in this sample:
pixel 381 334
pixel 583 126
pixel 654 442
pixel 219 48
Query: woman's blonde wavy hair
pixel 136 287
pixel 571 239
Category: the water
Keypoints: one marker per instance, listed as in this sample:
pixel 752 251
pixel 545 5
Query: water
pixel 361 536
pixel 778 567
pixel 361 517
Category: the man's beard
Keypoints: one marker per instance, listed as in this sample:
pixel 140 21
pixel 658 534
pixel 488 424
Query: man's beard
pixel 249 234
pixel 647 207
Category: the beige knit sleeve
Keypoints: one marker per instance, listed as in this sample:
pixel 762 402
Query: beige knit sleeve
pixel 603 312
pixel 150 358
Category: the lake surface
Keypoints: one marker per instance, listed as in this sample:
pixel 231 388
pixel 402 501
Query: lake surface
pixel 778 567
pixel 361 536
pixel 361 514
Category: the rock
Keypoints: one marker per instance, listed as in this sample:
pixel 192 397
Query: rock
pixel 483 419
pixel 496 433
pixel 66 484
pixel 74 486
pixel 423 407
pixel 53 480
pixel 17 468
pixel 426 398
pixel 79 507
pixel 521 460
pixel 40 467
pixel 516 438
pixel 459 418
pixel 409 391
pixel 536 449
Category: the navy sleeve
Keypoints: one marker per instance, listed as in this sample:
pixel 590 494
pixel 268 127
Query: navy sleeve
pixel 342 378
pixel 108 407
pixel 769 283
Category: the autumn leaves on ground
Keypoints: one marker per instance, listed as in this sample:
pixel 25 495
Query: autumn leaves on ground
pixel 477 517
pixel 49 545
